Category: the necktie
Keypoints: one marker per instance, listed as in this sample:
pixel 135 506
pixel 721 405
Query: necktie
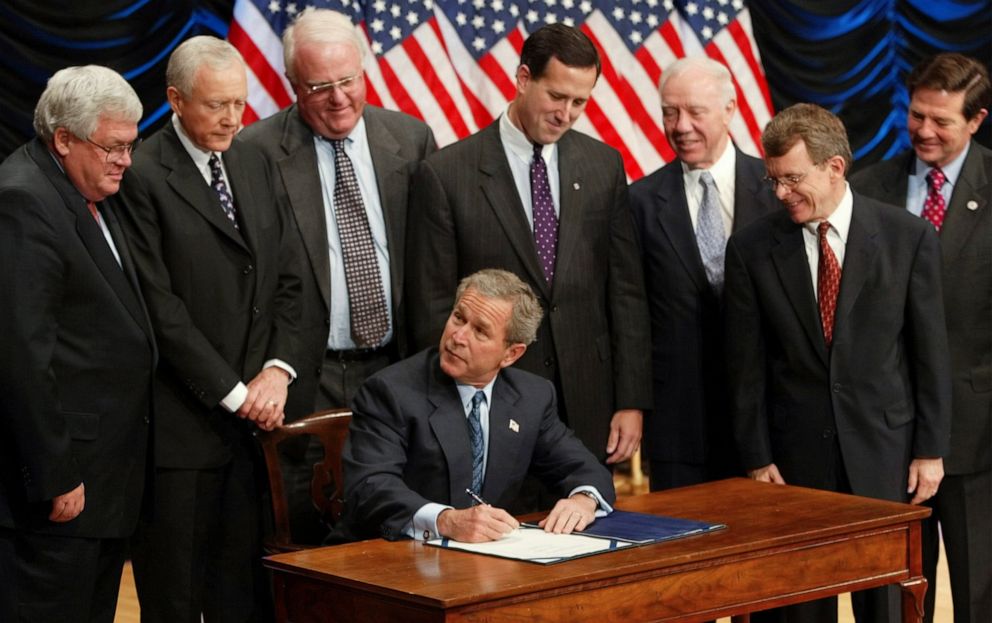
pixel 478 444
pixel 545 220
pixel 220 187
pixel 710 236
pixel 366 298
pixel 934 207
pixel 827 283
pixel 93 211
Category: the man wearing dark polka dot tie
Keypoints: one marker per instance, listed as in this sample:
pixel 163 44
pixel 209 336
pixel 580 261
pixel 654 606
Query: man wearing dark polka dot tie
pixel 530 195
pixel 950 98
pixel 836 347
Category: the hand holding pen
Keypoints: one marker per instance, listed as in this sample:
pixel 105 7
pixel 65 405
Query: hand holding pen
pixel 477 524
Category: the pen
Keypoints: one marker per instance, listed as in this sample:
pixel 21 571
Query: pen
pixel 476 497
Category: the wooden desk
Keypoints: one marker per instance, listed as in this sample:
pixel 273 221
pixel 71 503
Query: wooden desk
pixel 783 545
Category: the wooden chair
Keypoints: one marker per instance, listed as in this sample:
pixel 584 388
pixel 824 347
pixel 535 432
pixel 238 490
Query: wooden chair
pixel 327 486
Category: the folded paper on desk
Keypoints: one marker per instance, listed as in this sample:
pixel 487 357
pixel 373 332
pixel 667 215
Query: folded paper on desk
pixel 619 530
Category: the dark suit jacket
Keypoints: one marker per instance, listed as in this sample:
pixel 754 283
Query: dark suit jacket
pixel 690 422
pixel 465 215
pixel 966 250
pixel 883 388
pixel 409 445
pixel 397 142
pixel 222 301
pixel 77 358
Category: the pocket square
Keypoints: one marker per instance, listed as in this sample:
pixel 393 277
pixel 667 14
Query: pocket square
pixel 514 426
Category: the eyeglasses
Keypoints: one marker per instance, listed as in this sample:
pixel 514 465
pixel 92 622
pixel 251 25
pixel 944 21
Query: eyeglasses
pixel 344 84
pixel 789 181
pixel 115 153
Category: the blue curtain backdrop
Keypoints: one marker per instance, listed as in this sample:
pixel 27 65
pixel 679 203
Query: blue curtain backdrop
pixel 849 56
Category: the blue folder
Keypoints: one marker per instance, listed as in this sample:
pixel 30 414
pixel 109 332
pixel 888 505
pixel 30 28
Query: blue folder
pixel 642 529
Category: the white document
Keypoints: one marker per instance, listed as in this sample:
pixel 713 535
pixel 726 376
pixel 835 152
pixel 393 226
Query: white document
pixel 536 545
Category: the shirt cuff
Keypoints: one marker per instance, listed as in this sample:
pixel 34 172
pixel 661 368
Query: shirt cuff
pixel 603 509
pixel 423 526
pixel 282 365
pixel 235 398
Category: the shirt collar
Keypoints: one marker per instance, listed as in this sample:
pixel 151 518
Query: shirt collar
pixel 356 138
pixel 840 220
pixel 514 138
pixel 466 392
pixel 951 171
pixel 722 170
pixel 201 157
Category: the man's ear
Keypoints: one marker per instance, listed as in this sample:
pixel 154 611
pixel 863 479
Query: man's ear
pixel 513 352
pixel 60 141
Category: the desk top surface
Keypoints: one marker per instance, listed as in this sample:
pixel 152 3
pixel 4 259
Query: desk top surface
pixel 759 516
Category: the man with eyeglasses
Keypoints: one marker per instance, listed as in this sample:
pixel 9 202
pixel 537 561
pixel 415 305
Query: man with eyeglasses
pixel 78 356
pixel 683 214
pixel 836 348
pixel 343 168
pixel 218 264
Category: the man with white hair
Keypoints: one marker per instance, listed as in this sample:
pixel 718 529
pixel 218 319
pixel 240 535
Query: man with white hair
pixel 326 143
pixel 217 263
pixel 684 213
pixel 78 356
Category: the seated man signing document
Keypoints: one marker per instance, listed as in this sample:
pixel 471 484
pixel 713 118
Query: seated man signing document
pixel 450 422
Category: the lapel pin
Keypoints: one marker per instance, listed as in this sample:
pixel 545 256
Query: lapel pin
pixel 972 205
pixel 576 185
pixel 514 426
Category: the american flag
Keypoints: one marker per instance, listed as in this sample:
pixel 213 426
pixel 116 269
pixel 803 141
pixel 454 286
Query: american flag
pixel 452 62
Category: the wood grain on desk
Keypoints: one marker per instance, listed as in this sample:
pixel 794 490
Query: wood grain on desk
pixel 782 545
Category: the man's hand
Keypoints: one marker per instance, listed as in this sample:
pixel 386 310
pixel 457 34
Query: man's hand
pixel 625 435
pixel 768 473
pixel 266 398
pixel 924 478
pixel 477 524
pixel 570 514
pixel 67 506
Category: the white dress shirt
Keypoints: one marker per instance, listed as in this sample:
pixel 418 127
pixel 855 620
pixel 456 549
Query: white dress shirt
pixel 519 155
pixel 724 175
pixel 917 188
pixel 840 227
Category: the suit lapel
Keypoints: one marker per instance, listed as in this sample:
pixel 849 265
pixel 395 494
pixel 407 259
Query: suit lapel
pixel 186 181
pixel 451 430
pixel 501 193
pixel 859 255
pixel 748 191
pixel 961 221
pixel 504 443
pixel 673 216
pixel 130 296
pixel 240 179
pixel 301 179
pixel 390 170
pixel 572 200
pixel 792 265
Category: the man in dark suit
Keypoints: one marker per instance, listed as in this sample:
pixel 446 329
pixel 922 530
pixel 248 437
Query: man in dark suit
pixel 324 55
pixel 683 214
pixel 217 265
pixel 455 422
pixel 77 359
pixel 950 97
pixel 531 196
pixel 836 348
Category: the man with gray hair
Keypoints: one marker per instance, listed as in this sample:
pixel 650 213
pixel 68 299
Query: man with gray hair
pixel 78 357
pixel 343 167
pixel 216 260
pixel 436 434
pixel 683 214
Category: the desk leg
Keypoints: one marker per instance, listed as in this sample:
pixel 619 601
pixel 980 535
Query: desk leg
pixel 913 591
pixel 740 618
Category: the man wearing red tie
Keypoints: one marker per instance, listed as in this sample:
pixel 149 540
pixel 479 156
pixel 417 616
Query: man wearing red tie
pixel 836 348
pixel 947 179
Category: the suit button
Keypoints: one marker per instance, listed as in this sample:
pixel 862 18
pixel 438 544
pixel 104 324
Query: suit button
pixel 837 387
pixel 554 308
pixel 148 420
pixel 248 269
pixel 255 310
pixel 828 433
pixel 327 322
pixel 549 362
pixel 318 370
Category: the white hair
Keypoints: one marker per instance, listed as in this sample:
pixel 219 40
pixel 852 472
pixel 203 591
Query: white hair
pixel 319 26
pixel 77 97
pixel 191 54
pixel 717 71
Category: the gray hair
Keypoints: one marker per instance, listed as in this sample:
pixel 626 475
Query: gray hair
pixel 716 71
pixel 502 284
pixel 319 26
pixel 76 98
pixel 821 130
pixel 191 54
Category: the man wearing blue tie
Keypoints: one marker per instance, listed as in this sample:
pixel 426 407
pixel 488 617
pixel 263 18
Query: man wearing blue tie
pixel 434 434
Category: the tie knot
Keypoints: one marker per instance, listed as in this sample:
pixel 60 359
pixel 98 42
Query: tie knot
pixel 338 145
pixel 214 162
pixel 706 179
pixel 478 399
pixel 936 178
pixel 823 228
